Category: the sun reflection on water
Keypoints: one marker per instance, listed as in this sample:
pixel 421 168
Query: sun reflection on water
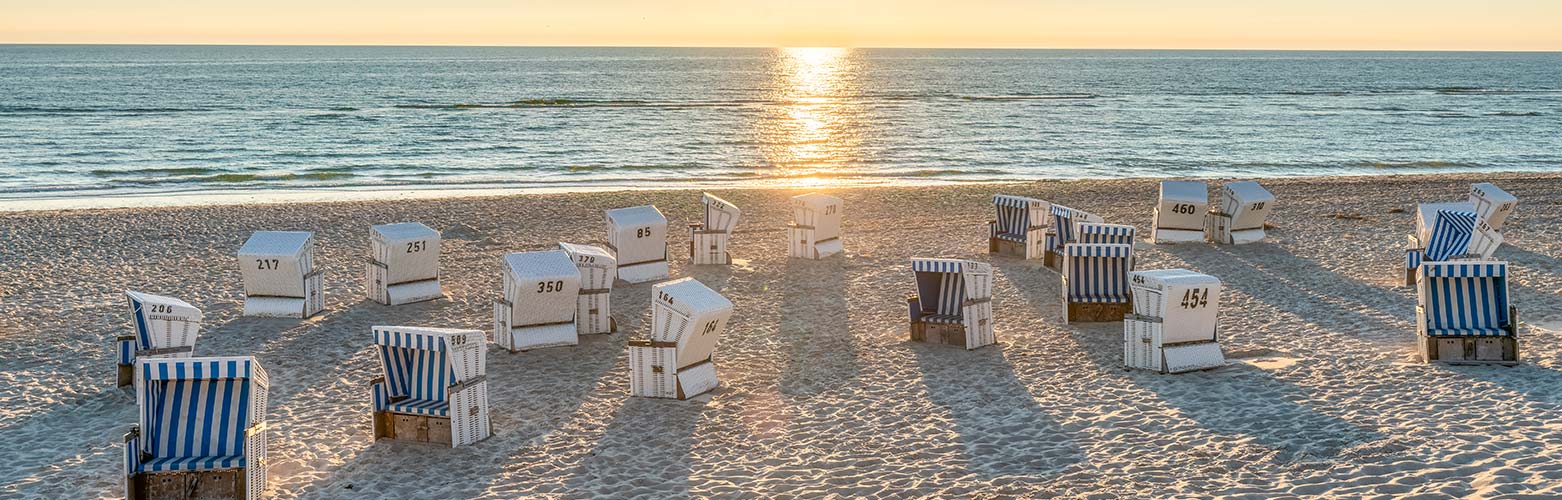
pixel 810 137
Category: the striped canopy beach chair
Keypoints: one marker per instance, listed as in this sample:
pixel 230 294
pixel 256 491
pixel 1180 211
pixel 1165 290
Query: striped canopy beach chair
pixel 1463 314
pixel 593 306
pixel 676 361
pixel 637 236
pixel 1095 281
pixel 1244 206
pixel 815 231
pixel 953 303
pixel 201 431
pixel 1065 228
pixel 708 239
pixel 403 264
pixel 1455 235
pixel 165 327
pixel 537 305
pixel 1173 326
pixel 1020 227
pixel 432 386
pixel 280 276
pixel 1179 215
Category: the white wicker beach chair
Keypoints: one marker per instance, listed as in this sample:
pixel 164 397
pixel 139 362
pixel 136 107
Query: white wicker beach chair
pixel 538 300
pixel 403 264
pixel 1455 235
pixel 687 319
pixel 1244 206
pixel 1095 282
pixel 708 239
pixel 1463 314
pixel 165 327
pixel 1173 326
pixel 201 431
pixel 1492 204
pixel 815 231
pixel 953 304
pixel 1020 227
pixel 280 276
pixel 1065 230
pixel 432 387
pixel 593 307
pixel 1179 216
pixel 637 236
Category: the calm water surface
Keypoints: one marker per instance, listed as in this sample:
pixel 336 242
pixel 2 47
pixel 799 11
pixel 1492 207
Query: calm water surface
pixel 94 120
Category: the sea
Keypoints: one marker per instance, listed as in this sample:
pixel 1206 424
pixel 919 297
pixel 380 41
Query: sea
pixel 96 121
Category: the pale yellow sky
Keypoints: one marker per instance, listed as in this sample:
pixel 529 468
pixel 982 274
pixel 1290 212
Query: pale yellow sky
pixel 1237 24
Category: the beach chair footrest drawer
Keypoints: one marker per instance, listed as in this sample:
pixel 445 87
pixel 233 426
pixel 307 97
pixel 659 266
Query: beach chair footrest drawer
pixel 417 428
pixel 189 485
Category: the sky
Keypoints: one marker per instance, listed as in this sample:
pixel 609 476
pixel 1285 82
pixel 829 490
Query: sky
pixel 1146 24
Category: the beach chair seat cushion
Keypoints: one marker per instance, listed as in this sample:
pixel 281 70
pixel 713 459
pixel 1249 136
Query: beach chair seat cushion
pixel 1017 238
pixel 947 319
pixel 425 407
pixel 1100 298
pixel 190 464
pixel 1466 332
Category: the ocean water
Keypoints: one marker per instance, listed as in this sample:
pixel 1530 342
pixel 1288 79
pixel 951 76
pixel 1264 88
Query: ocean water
pixel 88 121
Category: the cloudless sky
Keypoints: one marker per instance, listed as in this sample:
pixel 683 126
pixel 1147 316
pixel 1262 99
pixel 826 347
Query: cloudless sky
pixel 1234 24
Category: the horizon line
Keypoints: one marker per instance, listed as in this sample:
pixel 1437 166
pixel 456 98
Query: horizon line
pixel 904 47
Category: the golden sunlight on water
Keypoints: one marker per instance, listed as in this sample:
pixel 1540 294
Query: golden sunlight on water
pixel 810 138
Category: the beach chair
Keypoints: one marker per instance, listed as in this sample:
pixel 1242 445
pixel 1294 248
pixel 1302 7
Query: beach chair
pixel 1491 204
pixel 687 319
pixel 1455 235
pixel 280 276
pixel 165 327
pixel 953 304
pixel 708 239
pixel 1095 282
pixel 1020 227
pixel 1173 326
pixel 637 236
pixel 403 264
pixel 1463 314
pixel 200 432
pixel 1065 227
pixel 598 268
pixel 1244 206
pixel 1179 215
pixel 815 231
pixel 536 308
pixel 432 387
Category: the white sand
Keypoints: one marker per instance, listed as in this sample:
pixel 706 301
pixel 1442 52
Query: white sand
pixel 821 393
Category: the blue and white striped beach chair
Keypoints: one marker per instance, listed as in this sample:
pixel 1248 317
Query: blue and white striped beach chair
pixel 1095 282
pixel 1065 227
pixel 1020 227
pixel 1455 235
pixel 433 385
pixel 1099 233
pixel 953 303
pixel 201 430
pixel 1463 314
pixel 165 327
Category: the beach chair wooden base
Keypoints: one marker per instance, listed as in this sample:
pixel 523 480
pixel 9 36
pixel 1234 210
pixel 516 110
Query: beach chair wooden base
pixel 1053 260
pixel 1496 350
pixel 1410 277
pixel 415 428
pixel 1000 246
pixel 938 333
pixel 1091 312
pixel 188 485
pixel 126 375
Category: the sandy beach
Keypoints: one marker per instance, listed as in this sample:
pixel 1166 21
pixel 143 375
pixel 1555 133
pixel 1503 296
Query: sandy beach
pixel 822 394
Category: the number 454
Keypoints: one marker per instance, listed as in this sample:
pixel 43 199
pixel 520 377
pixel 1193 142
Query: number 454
pixel 1194 298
